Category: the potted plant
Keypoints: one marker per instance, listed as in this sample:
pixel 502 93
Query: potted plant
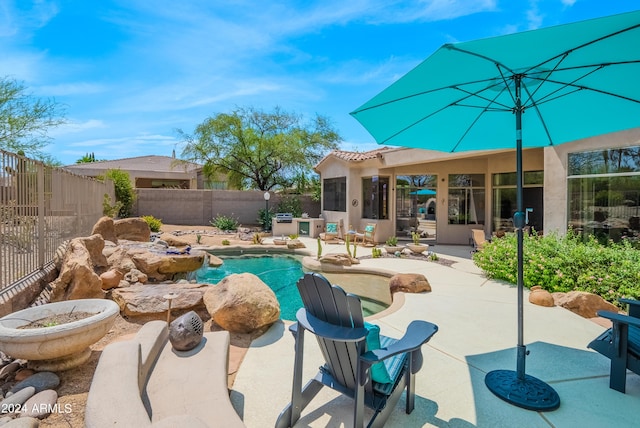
pixel 391 245
pixel 416 246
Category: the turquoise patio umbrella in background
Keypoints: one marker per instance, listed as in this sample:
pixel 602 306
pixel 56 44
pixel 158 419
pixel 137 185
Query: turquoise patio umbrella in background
pixel 531 89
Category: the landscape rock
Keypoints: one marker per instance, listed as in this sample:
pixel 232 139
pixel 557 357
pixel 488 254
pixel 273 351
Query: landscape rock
pixel 337 259
pixel 8 369
pixel 215 261
pixel 132 229
pixel 162 266
pixel 77 278
pixel 134 275
pixel 40 405
pixel 174 241
pixel 40 381
pixel 541 297
pixel 22 374
pixel 111 279
pixel 583 303
pixel 18 398
pixel 94 245
pixel 294 244
pixel 105 227
pixel 409 283
pixel 147 300
pixel 242 303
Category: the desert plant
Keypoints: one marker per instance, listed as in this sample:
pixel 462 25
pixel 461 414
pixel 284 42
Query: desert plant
pixel 222 222
pixel 434 257
pixel 108 209
pixel 346 241
pixel 226 242
pixel 392 241
pixel 415 236
pixel 319 248
pixel 376 252
pixel 355 245
pixel 154 223
pixel 198 238
pixel 293 236
pixel 257 239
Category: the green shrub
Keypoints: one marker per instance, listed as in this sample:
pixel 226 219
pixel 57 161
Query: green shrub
pixel 226 242
pixel 290 204
pixel 225 223
pixel 108 209
pixel 125 193
pixel 264 218
pixel 566 263
pixel 154 223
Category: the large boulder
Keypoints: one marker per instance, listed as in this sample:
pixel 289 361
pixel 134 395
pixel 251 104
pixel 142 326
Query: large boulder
pixel 541 297
pixel 162 266
pixel 106 228
pixel 583 303
pixel 95 244
pixel 242 303
pixel 77 279
pixel 174 241
pixel 409 283
pixel 147 301
pixel 132 229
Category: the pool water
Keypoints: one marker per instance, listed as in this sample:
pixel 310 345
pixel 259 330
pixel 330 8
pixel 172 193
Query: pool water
pixel 280 272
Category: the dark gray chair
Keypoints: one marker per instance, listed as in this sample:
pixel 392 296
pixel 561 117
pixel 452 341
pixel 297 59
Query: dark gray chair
pixel 621 343
pixel 347 342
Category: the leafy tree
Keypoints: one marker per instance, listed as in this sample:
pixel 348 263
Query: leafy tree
pixel 25 120
pixel 257 149
pixel 88 158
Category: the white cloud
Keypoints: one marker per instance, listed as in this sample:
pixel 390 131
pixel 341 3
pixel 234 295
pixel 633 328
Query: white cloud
pixel 534 17
pixel 74 127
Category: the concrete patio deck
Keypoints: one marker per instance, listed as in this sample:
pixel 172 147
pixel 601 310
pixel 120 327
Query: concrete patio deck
pixel 477 333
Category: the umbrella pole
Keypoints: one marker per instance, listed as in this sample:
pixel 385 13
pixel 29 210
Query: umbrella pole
pixel 517 387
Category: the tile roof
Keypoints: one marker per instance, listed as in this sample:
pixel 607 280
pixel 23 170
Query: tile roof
pixel 358 156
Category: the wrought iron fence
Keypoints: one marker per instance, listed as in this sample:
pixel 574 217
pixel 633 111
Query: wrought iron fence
pixel 41 207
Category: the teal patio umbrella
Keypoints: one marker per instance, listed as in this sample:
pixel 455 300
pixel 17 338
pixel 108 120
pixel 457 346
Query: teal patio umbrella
pixel 530 89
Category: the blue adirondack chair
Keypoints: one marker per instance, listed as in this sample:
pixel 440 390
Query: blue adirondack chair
pixel 368 367
pixel 621 344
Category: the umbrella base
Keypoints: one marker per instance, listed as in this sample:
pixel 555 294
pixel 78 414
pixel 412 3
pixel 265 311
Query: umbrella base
pixel 529 393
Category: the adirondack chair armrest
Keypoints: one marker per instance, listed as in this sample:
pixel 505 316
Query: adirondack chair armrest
pixel 634 307
pixel 418 333
pixel 329 331
pixel 620 318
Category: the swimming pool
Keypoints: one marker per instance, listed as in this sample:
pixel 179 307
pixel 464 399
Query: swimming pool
pixel 281 272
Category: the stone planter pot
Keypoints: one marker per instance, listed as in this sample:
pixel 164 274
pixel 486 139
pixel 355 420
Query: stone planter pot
pixel 418 248
pixel 392 249
pixel 280 241
pixel 59 347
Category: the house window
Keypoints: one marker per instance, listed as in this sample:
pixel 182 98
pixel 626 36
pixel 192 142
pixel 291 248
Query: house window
pixel 334 194
pixel 375 197
pixel 466 199
pixel 505 203
pixel 604 192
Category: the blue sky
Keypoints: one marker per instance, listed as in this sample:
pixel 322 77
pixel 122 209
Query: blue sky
pixel 131 72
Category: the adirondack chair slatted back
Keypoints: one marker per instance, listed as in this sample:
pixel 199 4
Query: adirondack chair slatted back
pixel 332 304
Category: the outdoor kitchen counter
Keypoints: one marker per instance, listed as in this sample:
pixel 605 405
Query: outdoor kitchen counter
pixel 311 227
